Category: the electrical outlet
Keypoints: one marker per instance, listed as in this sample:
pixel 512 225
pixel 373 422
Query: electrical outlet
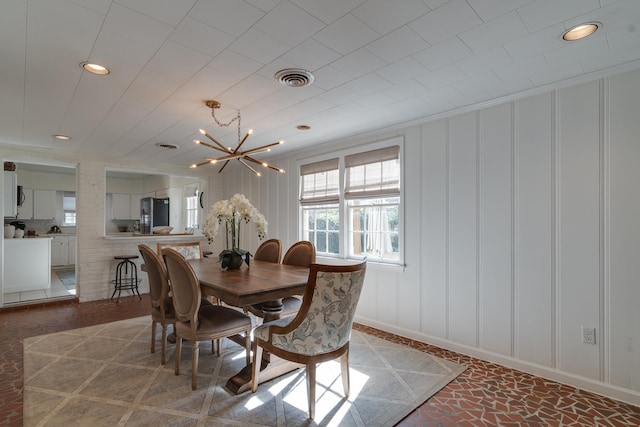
pixel 588 335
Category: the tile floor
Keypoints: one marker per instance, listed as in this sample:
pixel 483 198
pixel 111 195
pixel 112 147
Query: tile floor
pixel 484 395
pixel 57 290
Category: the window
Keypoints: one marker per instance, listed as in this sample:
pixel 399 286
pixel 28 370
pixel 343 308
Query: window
pixel 191 195
pixel 69 208
pixel 320 197
pixel 361 216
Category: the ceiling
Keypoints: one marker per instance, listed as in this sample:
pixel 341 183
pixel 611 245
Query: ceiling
pixel 377 63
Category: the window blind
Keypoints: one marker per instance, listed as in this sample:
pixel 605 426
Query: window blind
pixel 320 183
pixel 373 173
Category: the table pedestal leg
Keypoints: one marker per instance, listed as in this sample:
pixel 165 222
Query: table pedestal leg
pixel 271 367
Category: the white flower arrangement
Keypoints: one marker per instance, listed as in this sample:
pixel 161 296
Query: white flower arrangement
pixel 232 213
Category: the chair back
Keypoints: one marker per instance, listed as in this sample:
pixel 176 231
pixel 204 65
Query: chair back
pixel 157 274
pixel 301 253
pixel 184 285
pixel 189 250
pixel 270 251
pixel 324 321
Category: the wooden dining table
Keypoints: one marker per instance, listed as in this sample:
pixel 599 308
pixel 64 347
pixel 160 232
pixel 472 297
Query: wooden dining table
pixel 262 282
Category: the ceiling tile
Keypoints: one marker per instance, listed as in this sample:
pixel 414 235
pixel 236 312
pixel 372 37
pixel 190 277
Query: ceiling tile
pixel 368 84
pixel 328 11
pixel 346 35
pixel 168 11
pixel 446 21
pixel 201 37
pixel 536 44
pixel 401 71
pixel 259 46
pixel 359 63
pixel 311 55
pixel 328 77
pixel 490 9
pixel 575 52
pixel 264 5
pixel 442 77
pixel 136 27
pixel 542 14
pixel 175 54
pixel 289 24
pixel 232 17
pixel 385 16
pixel 234 64
pixel 528 67
pixel 250 89
pixel 444 53
pixel 484 62
pixel 397 44
pixel 495 32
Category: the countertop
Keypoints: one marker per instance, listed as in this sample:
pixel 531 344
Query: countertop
pixel 136 236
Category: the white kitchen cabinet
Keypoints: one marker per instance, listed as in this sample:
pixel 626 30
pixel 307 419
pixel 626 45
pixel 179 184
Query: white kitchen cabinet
pixel 59 251
pixel 63 250
pixel 27 264
pixel 125 206
pixel 25 211
pixel 44 204
pixel 72 250
pixel 134 208
pixel 120 206
pixel 10 193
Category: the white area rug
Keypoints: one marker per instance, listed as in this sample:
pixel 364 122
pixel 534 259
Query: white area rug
pixel 106 376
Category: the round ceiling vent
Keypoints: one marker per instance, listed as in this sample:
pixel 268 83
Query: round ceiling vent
pixel 166 145
pixel 295 77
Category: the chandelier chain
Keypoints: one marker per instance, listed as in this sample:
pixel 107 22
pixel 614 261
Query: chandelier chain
pixel 236 118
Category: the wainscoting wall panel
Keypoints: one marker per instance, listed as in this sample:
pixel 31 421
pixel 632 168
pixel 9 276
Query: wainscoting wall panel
pixel 521 229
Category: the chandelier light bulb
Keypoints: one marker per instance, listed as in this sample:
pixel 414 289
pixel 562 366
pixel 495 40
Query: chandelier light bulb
pixel 202 131
pixel 193 166
pixel 213 161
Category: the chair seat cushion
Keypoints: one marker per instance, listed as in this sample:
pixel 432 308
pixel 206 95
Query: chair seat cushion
pixel 262 331
pixel 215 320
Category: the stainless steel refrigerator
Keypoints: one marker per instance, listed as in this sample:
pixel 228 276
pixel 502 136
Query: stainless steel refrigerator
pixel 153 213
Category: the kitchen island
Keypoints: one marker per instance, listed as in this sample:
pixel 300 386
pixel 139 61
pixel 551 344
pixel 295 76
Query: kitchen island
pixel 27 264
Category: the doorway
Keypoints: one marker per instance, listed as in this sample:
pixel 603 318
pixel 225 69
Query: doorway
pixel 47 214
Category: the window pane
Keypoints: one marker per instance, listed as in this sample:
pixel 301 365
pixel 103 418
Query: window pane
pixel 322 228
pixel 373 228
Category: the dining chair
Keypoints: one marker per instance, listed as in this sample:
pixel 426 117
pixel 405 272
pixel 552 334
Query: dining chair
pixel 270 251
pixel 189 250
pixel 161 303
pixel 320 331
pixel 302 254
pixel 197 322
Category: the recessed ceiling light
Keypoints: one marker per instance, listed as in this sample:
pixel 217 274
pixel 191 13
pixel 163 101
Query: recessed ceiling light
pixel 303 127
pixel 62 137
pixel 95 68
pixel 581 31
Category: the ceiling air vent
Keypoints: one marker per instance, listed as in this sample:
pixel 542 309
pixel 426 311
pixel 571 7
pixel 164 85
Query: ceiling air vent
pixel 294 77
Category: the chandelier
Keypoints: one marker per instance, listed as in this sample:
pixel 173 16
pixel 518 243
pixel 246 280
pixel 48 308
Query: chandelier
pixel 243 156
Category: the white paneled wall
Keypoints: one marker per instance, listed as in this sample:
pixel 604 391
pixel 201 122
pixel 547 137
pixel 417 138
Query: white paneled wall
pixel 525 230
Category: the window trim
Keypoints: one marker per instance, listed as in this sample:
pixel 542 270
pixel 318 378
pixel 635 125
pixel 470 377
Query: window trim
pixel 341 154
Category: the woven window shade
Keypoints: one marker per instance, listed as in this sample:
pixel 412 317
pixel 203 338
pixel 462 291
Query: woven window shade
pixel 373 173
pixel 320 183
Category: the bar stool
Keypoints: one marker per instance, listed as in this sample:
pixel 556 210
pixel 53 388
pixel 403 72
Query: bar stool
pixel 126 276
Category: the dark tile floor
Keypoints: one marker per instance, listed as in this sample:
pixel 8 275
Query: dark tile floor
pixel 484 395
